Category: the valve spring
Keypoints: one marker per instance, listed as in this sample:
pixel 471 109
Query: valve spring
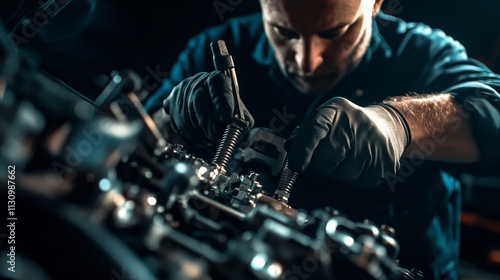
pixel 287 179
pixel 228 145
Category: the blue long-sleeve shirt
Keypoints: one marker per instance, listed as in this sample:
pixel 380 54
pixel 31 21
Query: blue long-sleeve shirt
pixel 422 202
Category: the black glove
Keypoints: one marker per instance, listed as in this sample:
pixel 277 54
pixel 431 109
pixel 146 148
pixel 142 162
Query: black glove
pixel 358 145
pixel 201 106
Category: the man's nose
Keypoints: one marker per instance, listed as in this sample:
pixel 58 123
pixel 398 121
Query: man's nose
pixel 309 55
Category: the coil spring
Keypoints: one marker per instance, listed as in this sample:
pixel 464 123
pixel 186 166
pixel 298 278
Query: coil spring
pixel 228 143
pixel 287 179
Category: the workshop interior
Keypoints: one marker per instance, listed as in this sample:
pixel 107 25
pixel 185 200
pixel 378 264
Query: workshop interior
pixel 101 194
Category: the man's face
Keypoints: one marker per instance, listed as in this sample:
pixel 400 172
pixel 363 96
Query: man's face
pixel 317 42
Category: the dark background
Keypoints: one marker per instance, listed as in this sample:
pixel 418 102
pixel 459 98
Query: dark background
pixel 88 39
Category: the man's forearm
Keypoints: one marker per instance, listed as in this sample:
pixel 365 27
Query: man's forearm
pixel 440 128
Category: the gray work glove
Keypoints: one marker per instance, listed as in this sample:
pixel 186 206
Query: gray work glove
pixel 201 106
pixel 361 146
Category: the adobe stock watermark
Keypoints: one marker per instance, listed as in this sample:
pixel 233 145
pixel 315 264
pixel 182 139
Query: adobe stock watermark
pixel 310 264
pixel 30 27
pixel 223 6
pixel 123 275
pixel 392 7
pixel 91 137
pixel 154 78
pixel 75 154
pixel 281 119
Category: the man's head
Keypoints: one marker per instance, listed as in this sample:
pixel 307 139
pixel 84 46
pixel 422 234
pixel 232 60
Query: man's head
pixel 317 42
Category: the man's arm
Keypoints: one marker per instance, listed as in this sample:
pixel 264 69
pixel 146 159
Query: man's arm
pixel 441 129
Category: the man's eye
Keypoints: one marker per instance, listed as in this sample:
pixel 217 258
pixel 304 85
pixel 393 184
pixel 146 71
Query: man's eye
pixel 334 33
pixel 330 34
pixel 285 33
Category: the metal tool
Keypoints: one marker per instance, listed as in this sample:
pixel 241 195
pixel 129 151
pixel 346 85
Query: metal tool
pixel 125 84
pixel 287 180
pixel 223 61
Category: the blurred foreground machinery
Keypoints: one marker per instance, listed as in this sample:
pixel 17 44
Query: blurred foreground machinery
pixel 100 194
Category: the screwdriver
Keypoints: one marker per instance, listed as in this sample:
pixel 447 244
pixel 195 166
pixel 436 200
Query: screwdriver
pixel 223 61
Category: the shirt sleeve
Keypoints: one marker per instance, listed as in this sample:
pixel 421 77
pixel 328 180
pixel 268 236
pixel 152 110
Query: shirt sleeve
pixel 481 102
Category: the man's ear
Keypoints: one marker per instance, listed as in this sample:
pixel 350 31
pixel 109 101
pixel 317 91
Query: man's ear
pixel 376 7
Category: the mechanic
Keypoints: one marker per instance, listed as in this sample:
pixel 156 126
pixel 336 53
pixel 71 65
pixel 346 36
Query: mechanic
pixel 383 114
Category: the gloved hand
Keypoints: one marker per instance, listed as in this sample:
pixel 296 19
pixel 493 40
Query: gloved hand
pixel 358 145
pixel 201 106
